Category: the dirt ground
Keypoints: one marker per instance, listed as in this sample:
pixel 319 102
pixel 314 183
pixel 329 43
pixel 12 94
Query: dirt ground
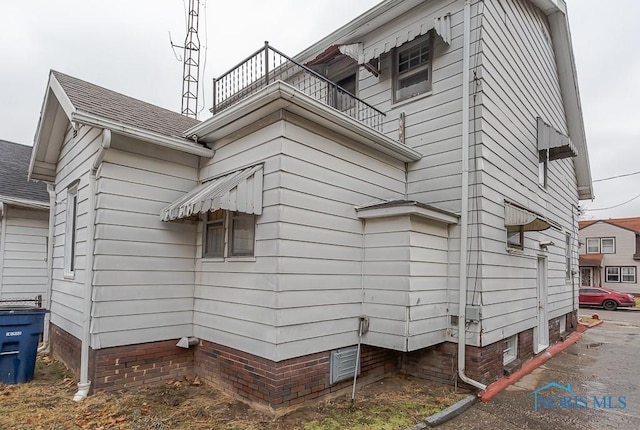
pixel 45 404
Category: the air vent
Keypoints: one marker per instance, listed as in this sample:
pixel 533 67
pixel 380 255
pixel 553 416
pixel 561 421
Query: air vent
pixel 343 364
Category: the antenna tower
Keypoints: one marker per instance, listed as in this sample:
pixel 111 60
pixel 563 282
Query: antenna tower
pixel 191 64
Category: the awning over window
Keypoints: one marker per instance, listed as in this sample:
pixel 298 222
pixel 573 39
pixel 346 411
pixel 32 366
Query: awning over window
pixel 516 215
pixel 353 50
pixel 590 260
pixel 559 145
pixel 441 24
pixel 240 191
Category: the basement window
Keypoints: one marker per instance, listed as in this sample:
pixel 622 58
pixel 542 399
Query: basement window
pixel 510 349
pixel 343 364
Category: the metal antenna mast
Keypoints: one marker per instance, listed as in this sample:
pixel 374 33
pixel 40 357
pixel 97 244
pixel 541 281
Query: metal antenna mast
pixel 191 62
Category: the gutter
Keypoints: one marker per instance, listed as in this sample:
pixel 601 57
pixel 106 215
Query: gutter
pixel 464 211
pixel 85 384
pixel 176 143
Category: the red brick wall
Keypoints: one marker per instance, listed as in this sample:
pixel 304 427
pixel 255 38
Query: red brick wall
pixel 285 384
pixel 65 347
pixel 440 363
pixel 525 344
pixel 124 366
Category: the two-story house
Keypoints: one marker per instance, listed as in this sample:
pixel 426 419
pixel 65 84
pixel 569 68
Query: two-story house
pixel 401 196
pixel 610 254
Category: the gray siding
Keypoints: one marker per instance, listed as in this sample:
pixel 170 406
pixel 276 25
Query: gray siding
pixel 23 265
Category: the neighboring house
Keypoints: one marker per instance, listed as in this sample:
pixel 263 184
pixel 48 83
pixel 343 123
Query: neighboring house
pixel 24 226
pixel 610 254
pixel 302 232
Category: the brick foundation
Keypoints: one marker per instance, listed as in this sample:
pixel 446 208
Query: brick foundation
pixel 280 386
pixel 65 348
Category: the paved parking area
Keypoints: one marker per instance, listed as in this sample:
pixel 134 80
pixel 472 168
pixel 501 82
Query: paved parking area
pixel 606 362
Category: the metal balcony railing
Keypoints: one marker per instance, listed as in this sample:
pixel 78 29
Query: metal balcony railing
pixel 268 65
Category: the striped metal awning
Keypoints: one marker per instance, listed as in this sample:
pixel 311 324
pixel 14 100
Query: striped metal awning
pixel 240 191
pixel 516 215
pixel 558 144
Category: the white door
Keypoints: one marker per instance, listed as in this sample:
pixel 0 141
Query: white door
pixel 542 330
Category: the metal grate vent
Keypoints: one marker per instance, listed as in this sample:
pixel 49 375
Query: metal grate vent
pixel 343 364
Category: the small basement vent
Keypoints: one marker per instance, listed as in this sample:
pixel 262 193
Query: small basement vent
pixel 343 363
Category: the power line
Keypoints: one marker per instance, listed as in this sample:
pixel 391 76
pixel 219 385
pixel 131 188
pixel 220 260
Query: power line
pixel 612 207
pixel 616 177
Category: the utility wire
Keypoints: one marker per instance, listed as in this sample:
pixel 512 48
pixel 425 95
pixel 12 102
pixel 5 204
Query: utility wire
pixel 616 177
pixel 612 207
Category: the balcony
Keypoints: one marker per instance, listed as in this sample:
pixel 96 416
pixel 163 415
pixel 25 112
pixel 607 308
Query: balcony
pixel 268 65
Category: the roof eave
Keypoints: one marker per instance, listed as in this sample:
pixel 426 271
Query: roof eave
pixel 24 203
pixel 280 95
pixel 179 144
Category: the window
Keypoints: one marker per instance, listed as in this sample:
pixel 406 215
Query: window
pixel 344 101
pixel 413 68
pixel 608 245
pixel 567 255
pixel 621 274
pixel 235 229
pixel 543 164
pixel 613 274
pixel 510 349
pixel 515 236
pixel 604 245
pixel 70 231
pixel 628 274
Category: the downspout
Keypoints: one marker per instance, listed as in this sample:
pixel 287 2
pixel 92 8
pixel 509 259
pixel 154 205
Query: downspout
pixel 362 317
pixel 464 211
pixel 85 384
pixel 52 215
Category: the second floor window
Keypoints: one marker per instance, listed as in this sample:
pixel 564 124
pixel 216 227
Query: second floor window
pixel 412 69
pixel 601 245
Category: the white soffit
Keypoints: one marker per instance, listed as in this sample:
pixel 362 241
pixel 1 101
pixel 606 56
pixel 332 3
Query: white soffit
pixel 240 191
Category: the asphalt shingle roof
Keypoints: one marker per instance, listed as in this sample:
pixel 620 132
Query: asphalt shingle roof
pixel 93 99
pixel 14 166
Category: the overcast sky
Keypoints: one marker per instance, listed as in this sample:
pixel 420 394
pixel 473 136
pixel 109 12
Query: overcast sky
pixel 123 45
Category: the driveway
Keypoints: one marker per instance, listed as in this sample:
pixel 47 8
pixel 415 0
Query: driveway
pixel 606 362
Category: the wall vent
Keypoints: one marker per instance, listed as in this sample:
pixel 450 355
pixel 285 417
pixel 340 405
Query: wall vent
pixel 343 364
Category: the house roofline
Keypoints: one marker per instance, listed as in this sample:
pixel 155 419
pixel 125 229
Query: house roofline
pixel 280 95
pixel 25 203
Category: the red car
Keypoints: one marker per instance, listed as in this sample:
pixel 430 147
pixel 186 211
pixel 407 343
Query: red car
pixel 608 299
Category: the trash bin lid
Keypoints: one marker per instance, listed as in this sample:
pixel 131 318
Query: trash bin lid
pixel 12 309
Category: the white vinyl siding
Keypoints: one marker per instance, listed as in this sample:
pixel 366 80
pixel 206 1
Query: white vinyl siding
pixel 23 270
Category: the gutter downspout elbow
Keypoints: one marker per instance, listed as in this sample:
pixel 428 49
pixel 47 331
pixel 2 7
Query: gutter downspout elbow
pixel 85 384
pixel 52 215
pixel 464 200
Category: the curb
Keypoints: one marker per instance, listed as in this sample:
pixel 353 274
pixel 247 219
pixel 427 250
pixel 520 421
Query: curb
pixel 446 414
pixel 502 383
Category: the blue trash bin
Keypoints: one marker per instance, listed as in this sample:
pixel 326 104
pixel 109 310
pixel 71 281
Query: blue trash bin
pixel 20 330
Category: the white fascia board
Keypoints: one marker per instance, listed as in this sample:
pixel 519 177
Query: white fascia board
pixel 145 135
pixel 62 97
pixel 402 210
pixel 24 203
pixel 280 95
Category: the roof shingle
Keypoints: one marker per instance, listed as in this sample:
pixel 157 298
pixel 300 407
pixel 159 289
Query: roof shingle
pixel 93 99
pixel 632 224
pixel 14 166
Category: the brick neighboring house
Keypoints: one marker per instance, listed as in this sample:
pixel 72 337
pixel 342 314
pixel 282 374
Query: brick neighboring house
pixel 24 227
pixel 610 254
pixel 400 196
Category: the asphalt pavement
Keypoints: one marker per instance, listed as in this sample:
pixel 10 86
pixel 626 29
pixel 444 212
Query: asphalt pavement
pixel 594 384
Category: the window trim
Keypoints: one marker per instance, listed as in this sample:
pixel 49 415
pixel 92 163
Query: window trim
pixel 600 245
pixel 613 245
pixel 71 231
pixel 621 275
pixel 397 76
pixel 520 244
pixel 606 274
pixel 634 274
pixel 227 223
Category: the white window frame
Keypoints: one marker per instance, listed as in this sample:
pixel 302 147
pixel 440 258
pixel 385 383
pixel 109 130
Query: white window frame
pixel 509 349
pixel 228 224
pixel 70 231
pixel 424 42
pixel 595 241
pixel 543 168
pixel 611 271
pixel 632 275
pixel 612 247
pixel 515 231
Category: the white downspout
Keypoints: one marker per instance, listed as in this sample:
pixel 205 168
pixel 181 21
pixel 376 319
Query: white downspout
pixel 85 384
pixel 464 211
pixel 52 216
